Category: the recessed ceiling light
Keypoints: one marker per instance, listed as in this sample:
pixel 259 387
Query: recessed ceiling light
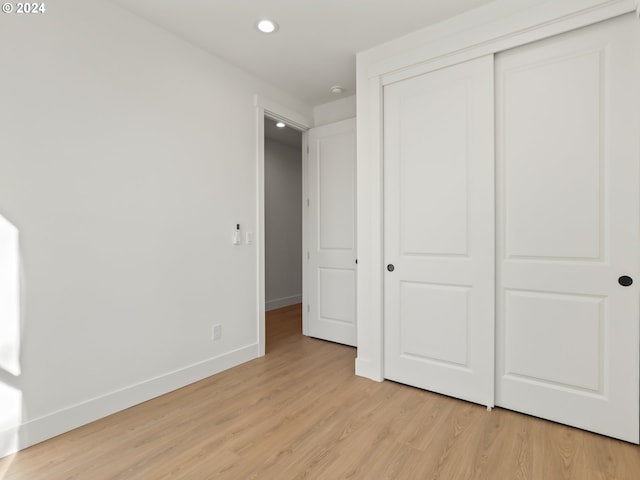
pixel 267 26
pixel 280 125
pixel 337 89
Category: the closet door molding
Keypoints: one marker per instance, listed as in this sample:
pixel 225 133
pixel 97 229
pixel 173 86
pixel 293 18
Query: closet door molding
pixel 521 27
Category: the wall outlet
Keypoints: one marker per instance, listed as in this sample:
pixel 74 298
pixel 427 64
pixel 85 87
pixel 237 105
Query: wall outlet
pixel 216 332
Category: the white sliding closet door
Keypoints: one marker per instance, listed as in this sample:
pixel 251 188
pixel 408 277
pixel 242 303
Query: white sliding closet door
pixel 439 231
pixel 568 232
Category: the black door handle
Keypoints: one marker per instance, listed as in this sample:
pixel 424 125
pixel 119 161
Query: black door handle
pixel 390 267
pixel 625 281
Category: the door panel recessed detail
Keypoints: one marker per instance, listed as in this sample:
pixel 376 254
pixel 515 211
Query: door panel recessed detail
pixel 554 145
pixel 556 337
pixel 433 171
pixel 334 304
pixel 434 322
pixel 336 177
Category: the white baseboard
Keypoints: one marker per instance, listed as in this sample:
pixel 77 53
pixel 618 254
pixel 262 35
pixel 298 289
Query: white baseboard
pixel 56 423
pixel 366 368
pixel 282 302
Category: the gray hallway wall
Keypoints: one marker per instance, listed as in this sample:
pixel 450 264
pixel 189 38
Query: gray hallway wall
pixel 283 224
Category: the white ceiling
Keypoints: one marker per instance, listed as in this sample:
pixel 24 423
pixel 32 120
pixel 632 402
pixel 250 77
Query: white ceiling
pixel 317 41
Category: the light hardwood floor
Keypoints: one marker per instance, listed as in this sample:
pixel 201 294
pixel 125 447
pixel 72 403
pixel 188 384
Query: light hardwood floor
pixel 300 412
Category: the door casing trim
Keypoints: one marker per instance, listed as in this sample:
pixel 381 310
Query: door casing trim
pixel 266 107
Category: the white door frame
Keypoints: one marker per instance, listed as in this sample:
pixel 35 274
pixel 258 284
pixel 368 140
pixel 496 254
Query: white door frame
pixel 497 27
pixel 301 122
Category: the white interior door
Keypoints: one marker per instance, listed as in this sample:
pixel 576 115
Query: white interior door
pixel 330 266
pixel 438 231
pixel 568 227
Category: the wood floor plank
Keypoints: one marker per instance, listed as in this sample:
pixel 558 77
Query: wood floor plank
pixel 301 413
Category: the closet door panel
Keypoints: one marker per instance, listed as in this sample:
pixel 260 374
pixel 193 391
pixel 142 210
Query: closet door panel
pixel 568 227
pixel 438 233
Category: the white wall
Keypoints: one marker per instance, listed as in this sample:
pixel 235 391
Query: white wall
pixel 283 222
pixel 126 155
pixel 335 111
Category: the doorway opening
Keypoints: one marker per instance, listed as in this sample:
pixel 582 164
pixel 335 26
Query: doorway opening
pixel 283 160
pixel 270 110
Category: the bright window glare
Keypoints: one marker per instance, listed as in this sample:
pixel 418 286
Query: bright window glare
pixel 9 298
pixel 10 420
